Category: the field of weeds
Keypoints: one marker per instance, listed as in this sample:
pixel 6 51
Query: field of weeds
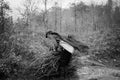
pixel 30 58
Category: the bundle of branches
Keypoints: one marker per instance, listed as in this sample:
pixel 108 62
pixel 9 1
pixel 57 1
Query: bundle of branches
pixel 45 66
pixel 48 67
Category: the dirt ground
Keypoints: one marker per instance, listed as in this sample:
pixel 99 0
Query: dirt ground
pixel 96 71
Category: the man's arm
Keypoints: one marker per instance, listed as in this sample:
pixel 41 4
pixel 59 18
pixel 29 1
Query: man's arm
pixel 76 44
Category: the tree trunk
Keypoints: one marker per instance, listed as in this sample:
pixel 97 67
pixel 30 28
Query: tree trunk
pixel 75 20
pixel 2 18
pixel 45 16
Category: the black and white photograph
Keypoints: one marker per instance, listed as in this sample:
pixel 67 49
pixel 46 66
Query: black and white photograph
pixel 59 39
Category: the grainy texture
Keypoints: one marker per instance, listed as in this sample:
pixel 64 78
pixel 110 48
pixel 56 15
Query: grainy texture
pixel 26 54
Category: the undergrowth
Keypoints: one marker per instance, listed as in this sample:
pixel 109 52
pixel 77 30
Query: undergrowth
pixel 20 61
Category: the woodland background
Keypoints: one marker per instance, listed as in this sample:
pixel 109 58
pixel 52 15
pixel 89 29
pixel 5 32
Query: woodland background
pixel 23 44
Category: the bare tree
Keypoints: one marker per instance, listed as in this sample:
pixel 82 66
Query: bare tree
pixel 75 16
pixel 3 7
pixel 29 8
pixel 56 16
pixel 108 11
pixel 61 18
pixel 45 18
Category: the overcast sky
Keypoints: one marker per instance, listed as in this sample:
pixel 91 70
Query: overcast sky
pixel 15 4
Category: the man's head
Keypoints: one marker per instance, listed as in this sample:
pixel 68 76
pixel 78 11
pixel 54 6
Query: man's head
pixel 53 35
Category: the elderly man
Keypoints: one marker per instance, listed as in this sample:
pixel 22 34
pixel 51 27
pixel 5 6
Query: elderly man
pixel 69 44
pixel 65 48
